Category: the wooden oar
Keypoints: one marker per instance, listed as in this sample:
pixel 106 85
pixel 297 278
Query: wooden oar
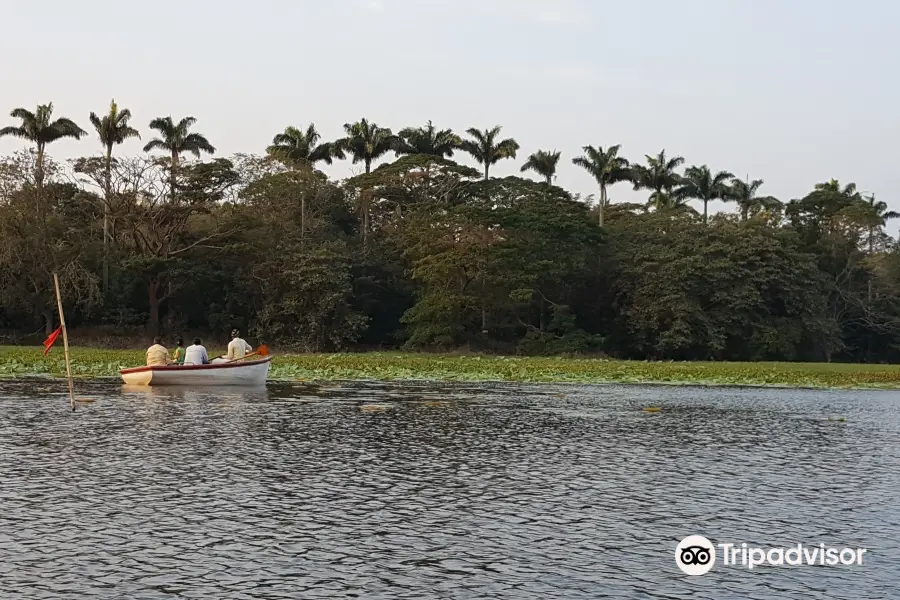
pixel 263 350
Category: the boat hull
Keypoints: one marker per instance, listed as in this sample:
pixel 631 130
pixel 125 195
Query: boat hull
pixel 241 373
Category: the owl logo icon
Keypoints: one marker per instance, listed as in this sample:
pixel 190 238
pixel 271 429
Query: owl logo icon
pixel 695 555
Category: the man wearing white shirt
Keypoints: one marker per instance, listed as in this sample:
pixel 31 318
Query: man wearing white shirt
pixel 196 354
pixel 237 348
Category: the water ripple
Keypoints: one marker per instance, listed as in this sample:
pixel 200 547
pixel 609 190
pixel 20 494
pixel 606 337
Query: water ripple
pixel 439 491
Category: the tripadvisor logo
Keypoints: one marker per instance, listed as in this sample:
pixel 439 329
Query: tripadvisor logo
pixel 696 555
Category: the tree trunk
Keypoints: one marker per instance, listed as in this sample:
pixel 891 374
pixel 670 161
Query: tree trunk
pixel 426 180
pixel 170 313
pixel 869 293
pixel 366 224
pixel 302 218
pixel 541 322
pixel 487 168
pixel 602 205
pixel 153 298
pixel 39 182
pixel 39 171
pixel 705 203
pixel 549 179
pixel 48 321
pixel 368 166
pixel 172 178
pixel 107 191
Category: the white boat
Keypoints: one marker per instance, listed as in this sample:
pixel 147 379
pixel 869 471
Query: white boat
pixel 240 372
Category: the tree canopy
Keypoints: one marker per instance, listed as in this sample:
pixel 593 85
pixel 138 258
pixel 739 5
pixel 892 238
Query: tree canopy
pixel 418 251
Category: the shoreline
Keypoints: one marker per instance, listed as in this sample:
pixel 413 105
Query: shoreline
pixel 115 380
pixel 92 363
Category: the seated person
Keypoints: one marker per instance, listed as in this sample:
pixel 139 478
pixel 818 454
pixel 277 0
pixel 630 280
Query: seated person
pixel 157 355
pixel 196 354
pixel 237 348
pixel 179 351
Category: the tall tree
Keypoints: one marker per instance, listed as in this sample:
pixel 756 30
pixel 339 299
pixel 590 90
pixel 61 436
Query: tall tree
pixel 37 244
pixel 176 139
pixel 543 163
pixel 880 215
pixel 487 149
pixel 38 128
pixel 700 184
pixel 606 167
pixel 660 176
pixel 366 142
pixel 744 194
pixel 113 129
pixel 428 140
pixel 296 148
pixel 162 232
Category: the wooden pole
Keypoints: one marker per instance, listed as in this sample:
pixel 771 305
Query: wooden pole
pixel 62 324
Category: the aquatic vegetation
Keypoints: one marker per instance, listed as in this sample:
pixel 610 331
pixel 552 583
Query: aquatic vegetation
pixel 17 361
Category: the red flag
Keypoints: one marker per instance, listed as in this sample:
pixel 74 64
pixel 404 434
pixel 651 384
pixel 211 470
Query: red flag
pixel 51 339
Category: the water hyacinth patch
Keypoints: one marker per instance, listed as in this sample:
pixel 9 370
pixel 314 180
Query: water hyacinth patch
pixel 17 361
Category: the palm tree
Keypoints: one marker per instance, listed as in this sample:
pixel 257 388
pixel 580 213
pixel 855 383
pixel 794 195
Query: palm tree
pixel 700 184
pixel 297 148
pixel 301 149
pixel 659 175
pixel 543 163
pixel 113 129
pixel 881 215
pixel 366 142
pixel 485 148
pixel 428 140
pixel 833 186
pixel 606 167
pixel 38 129
pixel 176 139
pixel 744 194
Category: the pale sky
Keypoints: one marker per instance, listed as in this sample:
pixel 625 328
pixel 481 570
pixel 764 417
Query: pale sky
pixel 790 91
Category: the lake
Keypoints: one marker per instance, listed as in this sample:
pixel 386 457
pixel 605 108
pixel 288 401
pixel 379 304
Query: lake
pixel 440 491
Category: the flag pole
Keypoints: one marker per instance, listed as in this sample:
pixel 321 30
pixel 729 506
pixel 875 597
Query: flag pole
pixel 62 323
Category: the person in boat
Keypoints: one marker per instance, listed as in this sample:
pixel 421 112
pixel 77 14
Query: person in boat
pixel 196 354
pixel 237 348
pixel 157 355
pixel 179 351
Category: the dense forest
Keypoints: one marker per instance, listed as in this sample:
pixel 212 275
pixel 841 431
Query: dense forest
pixel 422 252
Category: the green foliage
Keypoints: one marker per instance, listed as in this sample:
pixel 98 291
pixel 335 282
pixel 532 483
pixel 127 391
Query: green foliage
pixel 307 300
pixel 660 176
pixel 176 138
pixel 562 336
pixel 422 252
pixel 485 148
pixel 113 127
pixel 38 128
pixel 700 184
pixel 543 163
pixel 428 140
pixel 366 142
pixel 296 148
pixel 607 168
pixel 502 236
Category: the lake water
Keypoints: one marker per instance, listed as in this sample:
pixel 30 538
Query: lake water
pixel 444 491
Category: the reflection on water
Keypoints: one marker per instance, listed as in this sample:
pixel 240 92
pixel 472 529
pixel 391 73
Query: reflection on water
pixel 437 491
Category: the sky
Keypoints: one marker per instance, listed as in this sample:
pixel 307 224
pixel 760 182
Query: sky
pixel 793 92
